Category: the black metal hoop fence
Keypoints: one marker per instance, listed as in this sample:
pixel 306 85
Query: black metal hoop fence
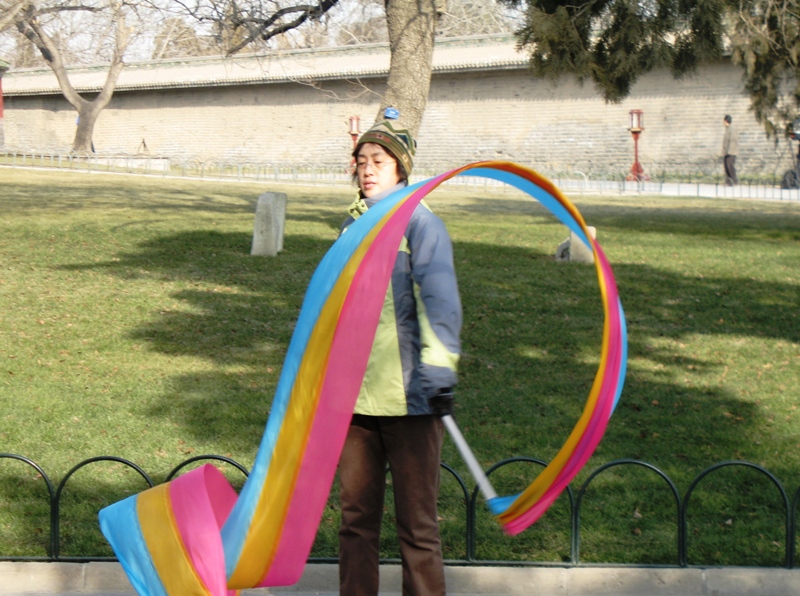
pixel 471 500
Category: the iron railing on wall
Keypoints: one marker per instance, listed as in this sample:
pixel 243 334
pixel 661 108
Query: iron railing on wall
pixel 674 179
pixel 575 499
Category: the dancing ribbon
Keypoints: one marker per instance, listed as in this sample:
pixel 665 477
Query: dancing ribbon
pixel 195 536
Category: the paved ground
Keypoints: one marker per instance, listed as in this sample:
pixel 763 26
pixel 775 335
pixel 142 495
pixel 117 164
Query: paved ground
pixel 107 579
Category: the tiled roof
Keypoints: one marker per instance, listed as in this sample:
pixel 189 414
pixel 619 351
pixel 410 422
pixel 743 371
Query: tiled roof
pixel 350 62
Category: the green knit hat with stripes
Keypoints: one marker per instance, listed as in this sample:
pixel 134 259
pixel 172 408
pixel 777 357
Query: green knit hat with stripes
pixel 397 141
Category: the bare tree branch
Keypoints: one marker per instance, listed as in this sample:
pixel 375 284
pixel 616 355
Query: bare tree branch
pixel 765 41
pixel 242 24
pixel 267 28
pixel 8 12
pixel 68 8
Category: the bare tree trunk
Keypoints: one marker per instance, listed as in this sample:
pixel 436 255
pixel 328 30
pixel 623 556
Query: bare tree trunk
pixel 412 31
pixel 87 118
pixel 89 111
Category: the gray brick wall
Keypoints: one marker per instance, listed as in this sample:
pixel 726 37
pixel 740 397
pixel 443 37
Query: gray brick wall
pixel 490 115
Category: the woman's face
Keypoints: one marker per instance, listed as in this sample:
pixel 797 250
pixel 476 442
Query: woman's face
pixel 376 169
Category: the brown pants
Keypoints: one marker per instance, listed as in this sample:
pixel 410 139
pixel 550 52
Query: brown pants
pixel 412 446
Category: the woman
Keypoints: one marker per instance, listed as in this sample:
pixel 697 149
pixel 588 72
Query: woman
pixel 407 387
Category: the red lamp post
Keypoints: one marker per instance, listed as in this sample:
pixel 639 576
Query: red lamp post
pixel 355 129
pixel 354 132
pixel 636 128
pixel 3 68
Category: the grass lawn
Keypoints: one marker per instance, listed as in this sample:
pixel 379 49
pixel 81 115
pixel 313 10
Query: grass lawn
pixel 134 322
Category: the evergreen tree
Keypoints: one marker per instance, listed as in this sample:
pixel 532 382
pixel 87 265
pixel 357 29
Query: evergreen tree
pixel 614 42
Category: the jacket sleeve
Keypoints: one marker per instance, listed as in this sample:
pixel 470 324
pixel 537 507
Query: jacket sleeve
pixel 438 302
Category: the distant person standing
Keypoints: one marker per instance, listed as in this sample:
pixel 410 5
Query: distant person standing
pixel 730 147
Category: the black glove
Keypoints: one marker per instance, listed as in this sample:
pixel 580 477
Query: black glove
pixel 442 402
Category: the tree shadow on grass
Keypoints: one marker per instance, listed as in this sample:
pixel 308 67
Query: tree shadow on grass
pixel 24 510
pixel 528 323
pixel 526 370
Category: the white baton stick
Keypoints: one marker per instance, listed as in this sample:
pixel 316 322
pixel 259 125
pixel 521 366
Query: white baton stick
pixel 469 458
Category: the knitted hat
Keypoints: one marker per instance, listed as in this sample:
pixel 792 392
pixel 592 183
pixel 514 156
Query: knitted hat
pixel 399 142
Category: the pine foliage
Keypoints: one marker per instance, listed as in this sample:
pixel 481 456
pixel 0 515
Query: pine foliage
pixel 614 42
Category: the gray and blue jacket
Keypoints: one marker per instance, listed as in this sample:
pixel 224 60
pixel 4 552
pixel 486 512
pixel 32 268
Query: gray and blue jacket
pixel 417 343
